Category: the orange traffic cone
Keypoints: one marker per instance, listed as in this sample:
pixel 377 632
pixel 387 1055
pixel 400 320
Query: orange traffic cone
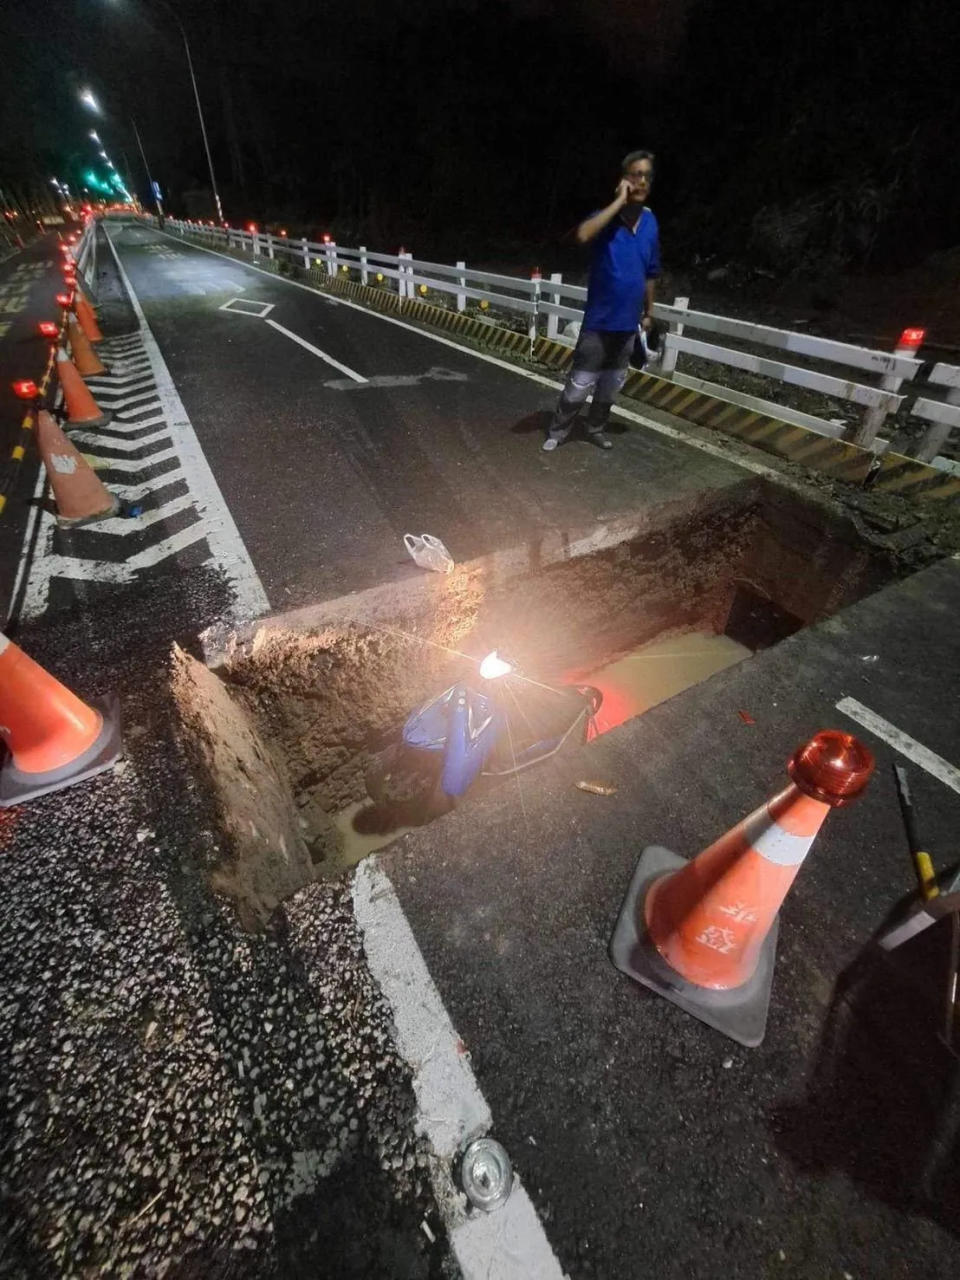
pixel 82 409
pixel 79 492
pixel 84 357
pixel 704 933
pixel 54 739
pixel 88 318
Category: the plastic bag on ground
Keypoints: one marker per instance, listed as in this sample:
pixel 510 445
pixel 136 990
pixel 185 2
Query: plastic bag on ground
pixel 428 552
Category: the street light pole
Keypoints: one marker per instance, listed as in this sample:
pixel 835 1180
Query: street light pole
pixel 196 93
pixel 154 189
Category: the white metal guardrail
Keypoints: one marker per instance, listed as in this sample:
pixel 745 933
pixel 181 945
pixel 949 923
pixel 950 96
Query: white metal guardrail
pixel 544 303
pixel 87 253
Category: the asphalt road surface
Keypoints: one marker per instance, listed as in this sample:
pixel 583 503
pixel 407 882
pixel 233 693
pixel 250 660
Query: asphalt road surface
pixel 286 441
pixel 324 474
pixel 28 284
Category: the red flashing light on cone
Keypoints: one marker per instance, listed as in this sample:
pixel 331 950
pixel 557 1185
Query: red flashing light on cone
pixel 703 933
pixel 53 737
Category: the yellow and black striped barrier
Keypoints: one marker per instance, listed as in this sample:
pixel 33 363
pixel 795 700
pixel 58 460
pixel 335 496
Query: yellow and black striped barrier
pixel 18 450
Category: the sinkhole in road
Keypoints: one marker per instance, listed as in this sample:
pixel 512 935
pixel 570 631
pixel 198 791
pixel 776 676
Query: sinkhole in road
pixel 671 599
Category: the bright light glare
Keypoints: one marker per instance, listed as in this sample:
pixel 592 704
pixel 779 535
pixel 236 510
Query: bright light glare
pixel 88 100
pixel 492 667
pixel 94 135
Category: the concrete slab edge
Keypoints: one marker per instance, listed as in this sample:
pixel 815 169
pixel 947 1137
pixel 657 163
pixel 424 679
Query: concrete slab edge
pixel 417 593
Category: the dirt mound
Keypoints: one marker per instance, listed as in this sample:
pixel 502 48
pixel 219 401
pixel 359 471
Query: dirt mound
pixel 265 855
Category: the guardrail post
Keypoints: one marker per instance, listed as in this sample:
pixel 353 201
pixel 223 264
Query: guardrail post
pixel 332 258
pixel 270 251
pixel 875 415
pixel 669 361
pixel 553 322
pixel 936 435
pixel 256 245
pixel 305 251
pixel 462 282
pixel 536 279
pixel 364 273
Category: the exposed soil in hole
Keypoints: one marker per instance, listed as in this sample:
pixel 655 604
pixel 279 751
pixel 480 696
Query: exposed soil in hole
pixel 753 565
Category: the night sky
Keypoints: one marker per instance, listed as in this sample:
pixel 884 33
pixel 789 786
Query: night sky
pixel 799 135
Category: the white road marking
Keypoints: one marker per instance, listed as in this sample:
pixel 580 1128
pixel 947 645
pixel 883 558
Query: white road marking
pixel 100 463
pixel 308 346
pixel 129 369
pixel 123 526
pixel 118 442
pixel 125 570
pixel 34 514
pixel 509 1244
pixel 129 343
pixel 246 308
pixel 120 386
pixel 399 379
pixel 661 428
pixel 148 486
pixel 889 733
pixel 222 534
pixel 124 401
pixel 124 428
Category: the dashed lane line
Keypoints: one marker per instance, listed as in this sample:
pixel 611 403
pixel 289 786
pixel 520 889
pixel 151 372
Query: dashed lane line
pixel 660 428
pixel 909 747
pixel 323 355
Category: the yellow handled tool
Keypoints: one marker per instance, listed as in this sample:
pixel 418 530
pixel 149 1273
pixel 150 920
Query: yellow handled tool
pixel 922 862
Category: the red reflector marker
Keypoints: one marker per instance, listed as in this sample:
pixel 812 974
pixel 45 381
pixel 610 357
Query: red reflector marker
pixel 48 329
pixel 912 338
pixel 25 390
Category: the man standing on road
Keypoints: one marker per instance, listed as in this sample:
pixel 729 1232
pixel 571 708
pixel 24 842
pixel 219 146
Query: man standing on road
pixel 620 293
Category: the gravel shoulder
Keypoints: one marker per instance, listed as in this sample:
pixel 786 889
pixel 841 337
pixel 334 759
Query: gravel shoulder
pixel 183 1097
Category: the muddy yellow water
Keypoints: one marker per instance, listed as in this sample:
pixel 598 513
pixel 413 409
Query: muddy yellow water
pixel 357 840
pixel 658 671
pixel 630 686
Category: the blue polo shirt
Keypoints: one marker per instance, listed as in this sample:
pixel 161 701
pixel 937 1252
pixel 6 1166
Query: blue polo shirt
pixel 623 261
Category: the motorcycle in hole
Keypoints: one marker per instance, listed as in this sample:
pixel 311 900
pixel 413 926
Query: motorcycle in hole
pixel 493 725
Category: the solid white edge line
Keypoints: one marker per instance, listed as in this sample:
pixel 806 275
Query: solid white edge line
pixel 510 1243
pixel 660 428
pixel 223 537
pixel 889 733
pixel 33 515
pixel 308 346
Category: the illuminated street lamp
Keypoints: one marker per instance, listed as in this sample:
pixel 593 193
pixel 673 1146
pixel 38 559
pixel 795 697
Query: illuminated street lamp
pixel 88 100
pixel 196 93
